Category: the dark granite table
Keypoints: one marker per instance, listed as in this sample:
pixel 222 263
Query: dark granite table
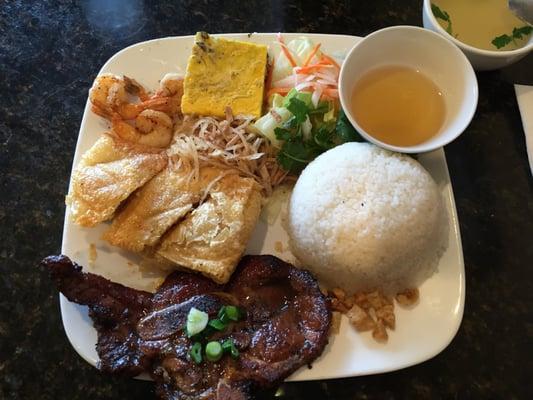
pixel 49 54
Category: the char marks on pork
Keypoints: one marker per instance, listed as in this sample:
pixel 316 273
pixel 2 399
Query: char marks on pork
pixel 286 326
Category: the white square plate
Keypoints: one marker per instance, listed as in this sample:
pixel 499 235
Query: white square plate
pixel 421 333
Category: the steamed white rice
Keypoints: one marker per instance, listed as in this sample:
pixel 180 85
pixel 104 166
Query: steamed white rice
pixel 363 218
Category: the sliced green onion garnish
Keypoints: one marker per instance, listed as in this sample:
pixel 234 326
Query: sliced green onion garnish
pixel 196 352
pixel 229 313
pixel 233 313
pixel 226 344
pixel 196 321
pixel 234 352
pixel 213 351
pixel 229 347
pixel 217 324
pixel 222 316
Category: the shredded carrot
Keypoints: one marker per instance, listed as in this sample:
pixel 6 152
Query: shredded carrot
pixel 331 60
pixel 334 93
pixel 307 89
pixel 286 51
pixel 312 67
pixel 311 55
pixel 305 77
pixel 280 90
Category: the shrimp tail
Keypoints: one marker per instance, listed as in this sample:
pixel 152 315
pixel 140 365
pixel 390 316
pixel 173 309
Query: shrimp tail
pixel 135 88
pixel 100 109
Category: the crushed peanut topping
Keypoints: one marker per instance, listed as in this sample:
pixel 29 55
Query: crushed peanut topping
pixel 385 315
pixel 408 297
pixel 360 319
pixel 338 305
pixel 380 333
pixel 371 311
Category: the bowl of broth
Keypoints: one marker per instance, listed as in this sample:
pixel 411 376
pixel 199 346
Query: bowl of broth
pixel 487 31
pixel 408 89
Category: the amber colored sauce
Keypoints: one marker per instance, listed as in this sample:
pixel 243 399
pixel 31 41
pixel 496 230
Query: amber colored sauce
pixel 398 105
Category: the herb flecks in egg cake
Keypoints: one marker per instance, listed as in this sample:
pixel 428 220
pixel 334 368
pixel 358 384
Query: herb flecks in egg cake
pixel 224 73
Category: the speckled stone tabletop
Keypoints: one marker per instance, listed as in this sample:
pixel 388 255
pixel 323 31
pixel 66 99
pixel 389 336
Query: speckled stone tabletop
pixel 50 51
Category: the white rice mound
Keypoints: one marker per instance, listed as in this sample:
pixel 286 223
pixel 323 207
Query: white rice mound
pixel 364 218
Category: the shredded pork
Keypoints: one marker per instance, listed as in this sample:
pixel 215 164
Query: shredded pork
pixel 229 144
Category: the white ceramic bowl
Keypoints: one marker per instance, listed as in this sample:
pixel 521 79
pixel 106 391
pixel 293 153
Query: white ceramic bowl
pixel 432 55
pixel 482 60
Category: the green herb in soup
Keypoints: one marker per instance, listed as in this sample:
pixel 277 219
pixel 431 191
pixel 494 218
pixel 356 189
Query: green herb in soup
pixel 485 24
pixel 518 33
pixel 442 15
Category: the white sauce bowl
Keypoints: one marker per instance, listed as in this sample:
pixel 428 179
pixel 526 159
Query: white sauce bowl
pixel 482 60
pixel 432 55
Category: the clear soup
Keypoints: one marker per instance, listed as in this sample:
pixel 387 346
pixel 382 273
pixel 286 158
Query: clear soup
pixel 398 105
pixel 480 22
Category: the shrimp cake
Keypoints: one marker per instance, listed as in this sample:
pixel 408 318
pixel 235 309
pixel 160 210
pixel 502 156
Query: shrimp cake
pixel 106 175
pixel 158 205
pixel 213 237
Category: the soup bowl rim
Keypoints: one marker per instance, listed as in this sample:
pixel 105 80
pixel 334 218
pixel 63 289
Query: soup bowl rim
pixel 446 136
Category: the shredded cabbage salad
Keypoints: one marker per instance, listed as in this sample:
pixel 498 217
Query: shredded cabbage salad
pixel 304 117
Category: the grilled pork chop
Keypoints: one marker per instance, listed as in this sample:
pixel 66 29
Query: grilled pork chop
pixel 286 326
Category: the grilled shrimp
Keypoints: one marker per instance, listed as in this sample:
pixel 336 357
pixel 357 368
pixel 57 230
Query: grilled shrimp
pixel 151 128
pixel 111 94
pixel 171 89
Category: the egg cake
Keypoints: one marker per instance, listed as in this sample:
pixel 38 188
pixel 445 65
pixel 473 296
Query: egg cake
pixel 224 73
